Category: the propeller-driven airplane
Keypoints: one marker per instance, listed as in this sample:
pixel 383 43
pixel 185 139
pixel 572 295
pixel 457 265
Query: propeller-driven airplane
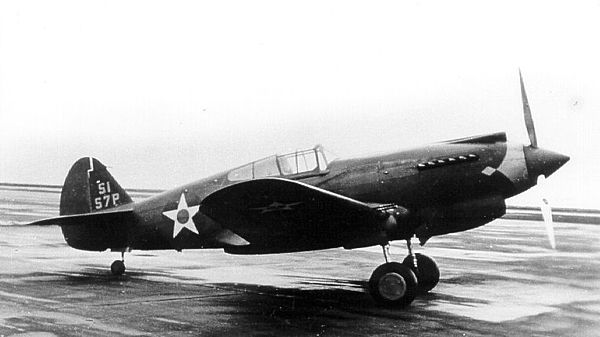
pixel 303 201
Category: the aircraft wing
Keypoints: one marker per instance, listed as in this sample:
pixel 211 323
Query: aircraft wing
pixel 277 215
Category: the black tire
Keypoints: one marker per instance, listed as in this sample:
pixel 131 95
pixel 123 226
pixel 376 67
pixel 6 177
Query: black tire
pixel 117 268
pixel 427 271
pixel 393 284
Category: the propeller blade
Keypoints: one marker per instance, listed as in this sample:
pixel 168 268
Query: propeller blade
pixel 527 114
pixel 547 215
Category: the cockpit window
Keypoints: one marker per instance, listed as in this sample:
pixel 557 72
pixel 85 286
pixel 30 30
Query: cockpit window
pixel 322 160
pixel 299 162
pixel 307 161
pixel 266 168
pixel 241 173
pixel 287 163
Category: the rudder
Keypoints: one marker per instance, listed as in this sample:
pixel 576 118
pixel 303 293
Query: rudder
pixel 89 187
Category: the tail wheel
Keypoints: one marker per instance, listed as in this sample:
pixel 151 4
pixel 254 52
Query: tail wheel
pixel 117 268
pixel 427 271
pixel 393 284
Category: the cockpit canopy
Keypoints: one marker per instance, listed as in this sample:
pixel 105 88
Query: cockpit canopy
pixel 299 163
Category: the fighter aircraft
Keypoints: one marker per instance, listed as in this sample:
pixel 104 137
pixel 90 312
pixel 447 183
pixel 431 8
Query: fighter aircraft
pixel 303 201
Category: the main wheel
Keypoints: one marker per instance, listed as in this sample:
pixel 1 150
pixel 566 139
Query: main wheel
pixel 393 284
pixel 117 267
pixel 427 271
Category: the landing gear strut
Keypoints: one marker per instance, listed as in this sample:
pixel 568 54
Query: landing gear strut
pixel 424 267
pixel 118 266
pixel 397 284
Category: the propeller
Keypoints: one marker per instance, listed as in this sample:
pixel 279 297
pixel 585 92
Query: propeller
pixel 527 114
pixel 547 215
pixel 544 206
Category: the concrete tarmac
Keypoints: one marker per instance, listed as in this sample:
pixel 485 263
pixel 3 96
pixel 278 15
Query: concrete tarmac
pixel 501 279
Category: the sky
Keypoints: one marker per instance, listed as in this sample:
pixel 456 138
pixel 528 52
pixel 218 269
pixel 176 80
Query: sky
pixel 168 92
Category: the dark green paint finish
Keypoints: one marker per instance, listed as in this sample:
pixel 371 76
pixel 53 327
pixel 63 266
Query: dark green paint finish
pixel 444 198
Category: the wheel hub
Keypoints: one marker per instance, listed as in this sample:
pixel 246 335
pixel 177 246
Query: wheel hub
pixel 392 286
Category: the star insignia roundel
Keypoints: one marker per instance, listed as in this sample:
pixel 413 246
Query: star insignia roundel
pixel 182 216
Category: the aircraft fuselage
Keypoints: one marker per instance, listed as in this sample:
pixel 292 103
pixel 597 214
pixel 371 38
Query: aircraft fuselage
pixel 446 187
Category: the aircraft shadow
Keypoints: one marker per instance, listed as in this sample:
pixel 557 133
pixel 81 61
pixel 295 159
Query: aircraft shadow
pixel 310 305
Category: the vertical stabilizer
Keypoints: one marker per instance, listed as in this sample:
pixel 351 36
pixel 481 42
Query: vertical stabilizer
pixel 89 187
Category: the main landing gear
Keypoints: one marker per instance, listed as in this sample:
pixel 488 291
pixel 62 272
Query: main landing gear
pixel 117 268
pixel 397 284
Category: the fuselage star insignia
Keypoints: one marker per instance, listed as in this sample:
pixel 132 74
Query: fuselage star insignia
pixel 182 216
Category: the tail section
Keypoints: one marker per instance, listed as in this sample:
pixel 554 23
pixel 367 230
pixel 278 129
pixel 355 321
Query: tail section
pixel 89 187
pixel 93 215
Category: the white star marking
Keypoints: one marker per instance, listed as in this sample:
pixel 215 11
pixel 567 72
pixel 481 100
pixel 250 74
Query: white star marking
pixel 182 216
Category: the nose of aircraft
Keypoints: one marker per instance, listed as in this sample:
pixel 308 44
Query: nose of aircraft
pixel 543 162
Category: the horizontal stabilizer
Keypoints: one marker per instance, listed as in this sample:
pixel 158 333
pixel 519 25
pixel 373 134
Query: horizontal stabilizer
pixel 97 218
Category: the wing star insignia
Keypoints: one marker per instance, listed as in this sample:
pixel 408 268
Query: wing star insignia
pixel 182 216
pixel 276 206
